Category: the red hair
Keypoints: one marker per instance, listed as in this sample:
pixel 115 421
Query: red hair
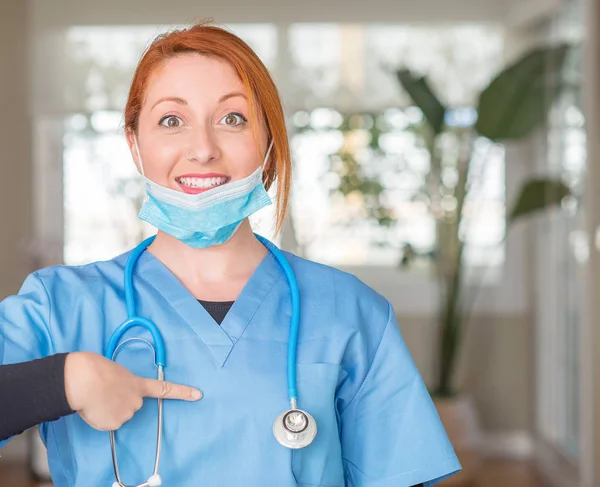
pixel 263 97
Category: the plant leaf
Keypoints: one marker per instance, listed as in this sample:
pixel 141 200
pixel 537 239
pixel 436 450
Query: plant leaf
pixel 536 195
pixel 422 96
pixel 518 99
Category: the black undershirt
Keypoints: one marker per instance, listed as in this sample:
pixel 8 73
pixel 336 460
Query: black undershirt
pixel 37 387
pixel 217 309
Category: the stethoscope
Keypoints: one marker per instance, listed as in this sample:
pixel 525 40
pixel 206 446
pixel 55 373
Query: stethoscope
pixel 293 428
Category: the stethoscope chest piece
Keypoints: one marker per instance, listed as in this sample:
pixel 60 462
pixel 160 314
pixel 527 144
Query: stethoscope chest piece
pixel 295 428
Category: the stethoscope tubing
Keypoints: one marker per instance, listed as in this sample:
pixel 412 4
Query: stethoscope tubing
pixel 159 347
pixel 160 359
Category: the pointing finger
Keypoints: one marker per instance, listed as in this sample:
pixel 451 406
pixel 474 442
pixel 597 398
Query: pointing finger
pixel 168 390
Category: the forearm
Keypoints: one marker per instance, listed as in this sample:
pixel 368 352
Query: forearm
pixel 32 393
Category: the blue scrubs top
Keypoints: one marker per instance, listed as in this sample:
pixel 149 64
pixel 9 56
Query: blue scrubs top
pixel 377 425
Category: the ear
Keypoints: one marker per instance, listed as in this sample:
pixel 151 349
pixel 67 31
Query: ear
pixel 131 137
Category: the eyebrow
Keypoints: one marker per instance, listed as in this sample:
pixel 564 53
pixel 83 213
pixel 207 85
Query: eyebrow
pixel 175 99
pixel 181 101
pixel 231 95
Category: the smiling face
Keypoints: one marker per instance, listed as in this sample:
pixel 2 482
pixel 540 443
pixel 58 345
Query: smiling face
pixel 194 131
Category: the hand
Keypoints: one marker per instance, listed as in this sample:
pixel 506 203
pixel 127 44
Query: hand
pixel 106 395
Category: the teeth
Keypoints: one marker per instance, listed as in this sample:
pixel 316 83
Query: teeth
pixel 201 182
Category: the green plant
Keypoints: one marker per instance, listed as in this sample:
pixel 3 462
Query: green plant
pixel 513 105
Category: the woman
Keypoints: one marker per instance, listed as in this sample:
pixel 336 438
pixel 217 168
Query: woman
pixel 206 129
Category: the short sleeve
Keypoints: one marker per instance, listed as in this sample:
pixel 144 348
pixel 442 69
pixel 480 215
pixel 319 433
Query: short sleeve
pixel 392 435
pixel 24 325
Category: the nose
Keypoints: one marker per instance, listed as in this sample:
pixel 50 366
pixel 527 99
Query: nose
pixel 202 147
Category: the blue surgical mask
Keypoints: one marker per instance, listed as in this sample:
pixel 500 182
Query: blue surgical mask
pixel 208 218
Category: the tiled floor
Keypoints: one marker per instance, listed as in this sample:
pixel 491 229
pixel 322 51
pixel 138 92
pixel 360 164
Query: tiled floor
pixel 493 474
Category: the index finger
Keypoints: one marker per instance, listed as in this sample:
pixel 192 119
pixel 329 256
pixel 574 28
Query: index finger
pixel 168 390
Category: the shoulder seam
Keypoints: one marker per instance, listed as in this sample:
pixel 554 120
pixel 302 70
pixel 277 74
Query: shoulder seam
pixel 49 320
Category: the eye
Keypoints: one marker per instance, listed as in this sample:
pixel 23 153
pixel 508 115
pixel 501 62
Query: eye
pixel 170 121
pixel 234 119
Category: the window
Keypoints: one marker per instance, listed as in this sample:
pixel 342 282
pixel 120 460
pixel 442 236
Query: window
pixel 352 121
pixel 338 85
pixel 563 248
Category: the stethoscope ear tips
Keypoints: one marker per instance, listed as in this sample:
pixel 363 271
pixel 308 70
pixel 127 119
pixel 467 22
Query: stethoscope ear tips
pixel 154 481
pixel 295 429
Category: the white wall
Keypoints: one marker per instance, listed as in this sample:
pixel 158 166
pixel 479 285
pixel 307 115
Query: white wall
pixel 591 338
pixel 92 12
pixel 15 155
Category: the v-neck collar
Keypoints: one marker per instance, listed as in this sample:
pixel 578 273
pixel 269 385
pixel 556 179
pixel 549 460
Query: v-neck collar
pixel 219 339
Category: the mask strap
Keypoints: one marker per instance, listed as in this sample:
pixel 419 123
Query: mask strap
pixel 137 149
pixel 268 152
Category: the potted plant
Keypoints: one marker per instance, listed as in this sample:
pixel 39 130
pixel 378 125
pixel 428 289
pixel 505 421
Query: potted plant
pixel 510 108
pixel 514 104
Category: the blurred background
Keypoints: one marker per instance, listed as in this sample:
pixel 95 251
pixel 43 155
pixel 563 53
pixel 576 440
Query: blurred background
pixel 441 153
